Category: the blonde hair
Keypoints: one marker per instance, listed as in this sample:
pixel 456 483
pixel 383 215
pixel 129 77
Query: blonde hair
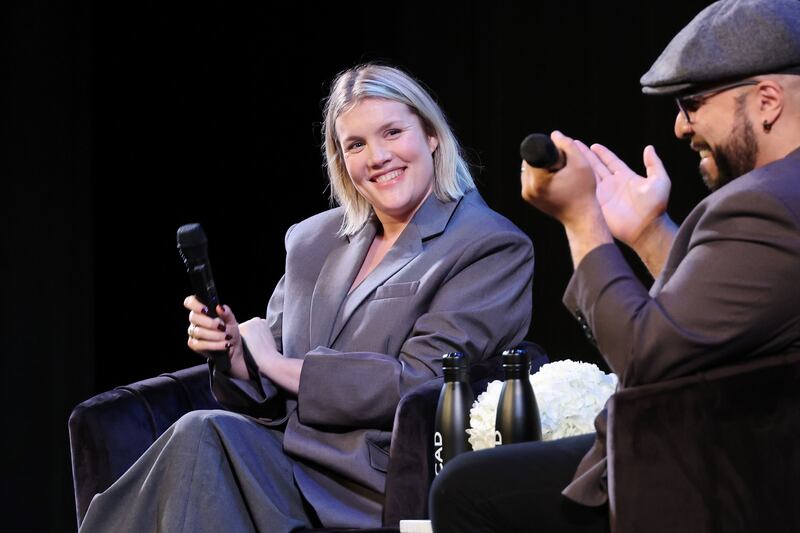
pixel 452 178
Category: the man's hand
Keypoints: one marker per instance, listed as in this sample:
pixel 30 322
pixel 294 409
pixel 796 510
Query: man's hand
pixel 630 202
pixel 634 206
pixel 569 196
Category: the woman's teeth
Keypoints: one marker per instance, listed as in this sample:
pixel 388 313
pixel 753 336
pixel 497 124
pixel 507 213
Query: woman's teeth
pixel 388 176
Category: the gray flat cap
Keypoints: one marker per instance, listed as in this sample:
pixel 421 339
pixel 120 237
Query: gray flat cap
pixel 728 40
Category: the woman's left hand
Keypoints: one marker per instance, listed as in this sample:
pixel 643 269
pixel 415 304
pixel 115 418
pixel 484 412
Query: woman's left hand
pixel 216 334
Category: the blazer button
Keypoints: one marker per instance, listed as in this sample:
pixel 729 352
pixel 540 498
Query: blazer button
pixel 585 327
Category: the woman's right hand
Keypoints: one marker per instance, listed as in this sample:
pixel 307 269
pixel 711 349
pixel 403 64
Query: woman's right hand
pixel 208 334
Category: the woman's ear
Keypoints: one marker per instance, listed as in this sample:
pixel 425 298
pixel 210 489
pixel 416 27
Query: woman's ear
pixel 433 143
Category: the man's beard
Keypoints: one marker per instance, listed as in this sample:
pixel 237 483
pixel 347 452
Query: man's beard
pixel 737 156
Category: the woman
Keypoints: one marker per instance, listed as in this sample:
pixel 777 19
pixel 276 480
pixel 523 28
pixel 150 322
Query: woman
pixel 413 264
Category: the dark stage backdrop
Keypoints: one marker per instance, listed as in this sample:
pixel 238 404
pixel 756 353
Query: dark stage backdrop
pixel 122 121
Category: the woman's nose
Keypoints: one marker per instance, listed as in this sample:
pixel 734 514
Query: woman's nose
pixel 378 155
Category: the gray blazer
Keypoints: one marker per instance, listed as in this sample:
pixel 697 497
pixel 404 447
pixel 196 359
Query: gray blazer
pixel 729 291
pixel 457 279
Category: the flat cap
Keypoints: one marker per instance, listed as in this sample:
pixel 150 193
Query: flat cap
pixel 728 40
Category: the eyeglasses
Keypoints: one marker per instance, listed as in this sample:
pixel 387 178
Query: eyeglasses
pixel 692 102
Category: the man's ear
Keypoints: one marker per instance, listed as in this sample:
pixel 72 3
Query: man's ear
pixel 770 94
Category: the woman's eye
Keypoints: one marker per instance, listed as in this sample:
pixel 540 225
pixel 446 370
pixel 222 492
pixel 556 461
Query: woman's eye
pixel 393 132
pixel 354 146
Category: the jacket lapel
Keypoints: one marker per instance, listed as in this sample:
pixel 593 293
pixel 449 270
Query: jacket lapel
pixel 429 221
pixel 337 274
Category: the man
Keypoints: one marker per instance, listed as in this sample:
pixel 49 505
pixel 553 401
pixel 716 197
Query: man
pixel 726 281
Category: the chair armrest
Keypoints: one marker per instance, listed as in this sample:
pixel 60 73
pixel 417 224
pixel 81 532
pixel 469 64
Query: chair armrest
pixel 410 455
pixel 715 451
pixel 110 431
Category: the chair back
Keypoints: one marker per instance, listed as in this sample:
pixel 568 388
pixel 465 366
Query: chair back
pixel 714 452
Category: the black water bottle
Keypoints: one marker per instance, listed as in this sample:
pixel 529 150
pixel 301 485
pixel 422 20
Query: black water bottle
pixel 452 414
pixel 517 413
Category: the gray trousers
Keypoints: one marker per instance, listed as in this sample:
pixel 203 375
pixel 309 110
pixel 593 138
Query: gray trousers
pixel 210 471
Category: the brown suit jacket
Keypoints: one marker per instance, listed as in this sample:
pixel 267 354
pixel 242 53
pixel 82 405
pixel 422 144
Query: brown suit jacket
pixel 457 279
pixel 729 291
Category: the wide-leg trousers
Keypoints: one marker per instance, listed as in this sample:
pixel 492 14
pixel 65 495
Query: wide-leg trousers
pixel 210 471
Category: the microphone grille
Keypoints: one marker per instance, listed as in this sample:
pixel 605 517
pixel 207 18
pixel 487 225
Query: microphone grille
pixel 191 235
pixel 538 150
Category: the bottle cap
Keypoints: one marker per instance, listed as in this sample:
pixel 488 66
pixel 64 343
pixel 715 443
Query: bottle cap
pixel 516 356
pixel 454 360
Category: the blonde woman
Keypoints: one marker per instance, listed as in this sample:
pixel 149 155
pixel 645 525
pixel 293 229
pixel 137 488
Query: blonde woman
pixel 411 265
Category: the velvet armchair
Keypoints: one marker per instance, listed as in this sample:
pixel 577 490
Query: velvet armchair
pixel 111 430
pixel 714 452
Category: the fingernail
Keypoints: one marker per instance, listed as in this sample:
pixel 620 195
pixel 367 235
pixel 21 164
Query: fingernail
pixel 204 310
pixel 221 326
pixel 228 337
pixel 227 345
pixel 223 308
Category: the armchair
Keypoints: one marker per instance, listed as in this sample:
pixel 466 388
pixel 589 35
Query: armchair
pixel 111 430
pixel 713 452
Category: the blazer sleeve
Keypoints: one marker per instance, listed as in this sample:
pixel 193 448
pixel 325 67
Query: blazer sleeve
pixel 734 295
pixel 257 396
pixel 483 306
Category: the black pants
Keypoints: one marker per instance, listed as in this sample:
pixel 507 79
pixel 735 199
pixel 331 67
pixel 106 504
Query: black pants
pixel 515 487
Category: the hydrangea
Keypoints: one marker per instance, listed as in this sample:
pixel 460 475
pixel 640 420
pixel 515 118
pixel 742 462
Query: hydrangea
pixel 569 395
pixel 482 417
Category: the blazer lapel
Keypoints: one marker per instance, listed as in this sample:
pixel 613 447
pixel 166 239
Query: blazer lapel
pixel 429 221
pixel 335 278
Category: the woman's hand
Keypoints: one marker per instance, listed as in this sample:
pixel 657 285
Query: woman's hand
pixel 283 371
pixel 208 334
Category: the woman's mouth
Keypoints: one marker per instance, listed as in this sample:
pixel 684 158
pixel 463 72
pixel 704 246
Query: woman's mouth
pixel 388 176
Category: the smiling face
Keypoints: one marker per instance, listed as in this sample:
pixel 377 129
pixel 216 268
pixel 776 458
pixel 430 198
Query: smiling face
pixel 723 134
pixel 723 161
pixel 388 155
pixel 735 156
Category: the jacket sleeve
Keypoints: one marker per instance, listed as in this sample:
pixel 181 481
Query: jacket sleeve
pixel 483 306
pixel 734 295
pixel 258 396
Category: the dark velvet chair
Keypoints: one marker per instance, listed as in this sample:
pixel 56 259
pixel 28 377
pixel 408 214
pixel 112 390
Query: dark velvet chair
pixel 111 430
pixel 714 452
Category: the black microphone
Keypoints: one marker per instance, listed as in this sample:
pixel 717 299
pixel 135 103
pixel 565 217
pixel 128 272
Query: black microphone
pixel 193 249
pixel 539 151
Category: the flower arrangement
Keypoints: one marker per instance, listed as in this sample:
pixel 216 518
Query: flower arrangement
pixel 569 395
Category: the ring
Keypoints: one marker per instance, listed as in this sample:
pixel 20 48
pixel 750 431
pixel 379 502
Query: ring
pixel 192 329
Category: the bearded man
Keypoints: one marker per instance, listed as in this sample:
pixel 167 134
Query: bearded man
pixel 726 281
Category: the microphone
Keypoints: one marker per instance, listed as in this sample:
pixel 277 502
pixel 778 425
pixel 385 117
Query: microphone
pixel 539 151
pixel 193 249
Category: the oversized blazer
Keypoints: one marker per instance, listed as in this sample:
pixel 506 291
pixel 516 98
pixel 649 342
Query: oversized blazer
pixel 728 292
pixel 457 279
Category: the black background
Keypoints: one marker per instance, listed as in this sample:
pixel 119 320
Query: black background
pixel 122 121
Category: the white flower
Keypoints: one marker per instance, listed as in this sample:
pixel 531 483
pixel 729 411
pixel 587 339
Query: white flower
pixel 482 417
pixel 569 395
